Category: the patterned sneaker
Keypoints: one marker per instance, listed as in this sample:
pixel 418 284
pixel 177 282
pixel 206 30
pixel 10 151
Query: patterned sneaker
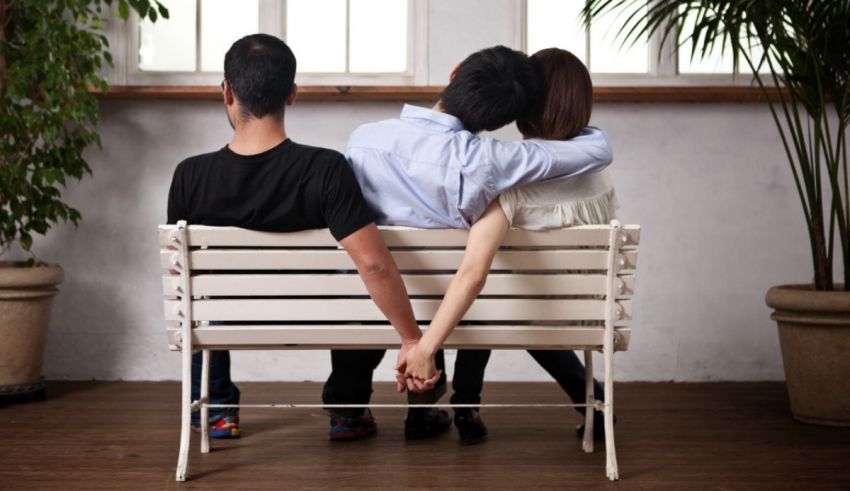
pixel 343 428
pixel 226 427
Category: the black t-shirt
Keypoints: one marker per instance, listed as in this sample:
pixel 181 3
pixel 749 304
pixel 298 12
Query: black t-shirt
pixel 287 188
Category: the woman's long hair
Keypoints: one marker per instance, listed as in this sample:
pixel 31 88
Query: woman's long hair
pixel 564 110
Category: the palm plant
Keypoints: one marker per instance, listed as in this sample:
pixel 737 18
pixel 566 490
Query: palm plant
pixel 801 48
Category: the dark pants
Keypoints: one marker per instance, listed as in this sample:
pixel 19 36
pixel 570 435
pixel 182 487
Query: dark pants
pixel 563 365
pixel 222 389
pixel 350 381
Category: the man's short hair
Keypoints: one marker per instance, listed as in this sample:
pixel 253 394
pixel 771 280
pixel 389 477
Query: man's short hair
pixel 261 72
pixel 491 88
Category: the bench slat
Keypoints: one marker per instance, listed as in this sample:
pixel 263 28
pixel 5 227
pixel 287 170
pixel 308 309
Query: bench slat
pixel 248 285
pixel 343 310
pixel 200 235
pixel 385 337
pixel 268 259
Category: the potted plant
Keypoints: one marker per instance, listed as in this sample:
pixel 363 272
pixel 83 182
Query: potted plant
pixel 802 48
pixel 51 54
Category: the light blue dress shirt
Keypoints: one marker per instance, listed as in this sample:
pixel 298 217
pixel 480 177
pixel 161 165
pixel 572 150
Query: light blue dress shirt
pixel 424 170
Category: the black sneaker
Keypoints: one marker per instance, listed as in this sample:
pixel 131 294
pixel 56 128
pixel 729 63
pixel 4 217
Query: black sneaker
pixel 424 423
pixel 470 426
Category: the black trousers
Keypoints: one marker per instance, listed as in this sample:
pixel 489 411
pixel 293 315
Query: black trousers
pixel 563 365
pixel 350 381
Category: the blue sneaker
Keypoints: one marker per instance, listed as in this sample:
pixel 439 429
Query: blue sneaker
pixel 344 428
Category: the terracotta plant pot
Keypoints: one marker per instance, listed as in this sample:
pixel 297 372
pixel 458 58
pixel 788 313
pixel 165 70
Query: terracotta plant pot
pixel 814 332
pixel 26 297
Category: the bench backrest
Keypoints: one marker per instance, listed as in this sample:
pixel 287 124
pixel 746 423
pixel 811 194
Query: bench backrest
pixel 300 290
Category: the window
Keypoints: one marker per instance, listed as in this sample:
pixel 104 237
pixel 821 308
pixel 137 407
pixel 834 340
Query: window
pixel 557 23
pixel 336 42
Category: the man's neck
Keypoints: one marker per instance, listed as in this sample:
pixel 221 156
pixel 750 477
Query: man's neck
pixel 257 135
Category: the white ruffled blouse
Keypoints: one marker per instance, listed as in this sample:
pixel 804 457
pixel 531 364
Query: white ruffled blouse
pixel 583 200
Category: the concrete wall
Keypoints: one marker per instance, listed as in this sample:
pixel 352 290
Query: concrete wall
pixel 708 182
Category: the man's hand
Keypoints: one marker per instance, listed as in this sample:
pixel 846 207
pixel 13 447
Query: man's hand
pixel 415 369
pixel 401 364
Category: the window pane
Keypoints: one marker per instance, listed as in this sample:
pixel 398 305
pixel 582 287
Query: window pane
pixel 169 45
pixel 713 61
pixel 606 53
pixel 556 24
pixel 378 36
pixel 315 30
pixel 222 23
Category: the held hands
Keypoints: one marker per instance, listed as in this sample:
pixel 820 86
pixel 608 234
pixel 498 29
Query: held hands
pixel 415 368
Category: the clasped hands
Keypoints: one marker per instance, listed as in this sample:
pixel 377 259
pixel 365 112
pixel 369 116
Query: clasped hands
pixel 415 369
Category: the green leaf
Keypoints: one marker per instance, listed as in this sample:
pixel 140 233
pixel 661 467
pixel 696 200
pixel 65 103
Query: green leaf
pixel 25 241
pixel 123 9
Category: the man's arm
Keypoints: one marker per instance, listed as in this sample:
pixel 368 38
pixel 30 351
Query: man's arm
pixel 485 237
pixel 383 280
pixel 517 163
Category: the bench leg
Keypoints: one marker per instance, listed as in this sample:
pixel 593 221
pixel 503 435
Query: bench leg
pixel 590 399
pixel 205 397
pixel 186 415
pixel 610 451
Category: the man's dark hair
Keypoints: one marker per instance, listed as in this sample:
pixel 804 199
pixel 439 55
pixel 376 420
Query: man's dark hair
pixel 261 71
pixel 491 88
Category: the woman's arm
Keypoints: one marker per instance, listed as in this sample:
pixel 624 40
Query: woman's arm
pixel 485 237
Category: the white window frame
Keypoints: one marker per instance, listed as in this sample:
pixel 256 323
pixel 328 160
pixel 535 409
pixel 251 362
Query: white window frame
pixel 272 21
pixel 662 71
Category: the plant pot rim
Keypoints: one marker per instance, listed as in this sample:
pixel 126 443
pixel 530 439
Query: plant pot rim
pixel 18 275
pixel 804 298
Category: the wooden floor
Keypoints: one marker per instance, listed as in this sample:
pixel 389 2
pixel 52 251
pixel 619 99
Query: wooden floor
pixel 124 435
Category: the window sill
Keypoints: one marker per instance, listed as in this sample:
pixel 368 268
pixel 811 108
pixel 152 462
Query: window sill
pixel 431 93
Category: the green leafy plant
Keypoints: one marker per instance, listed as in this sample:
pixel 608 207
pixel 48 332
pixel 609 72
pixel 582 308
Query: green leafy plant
pixel 51 55
pixel 801 47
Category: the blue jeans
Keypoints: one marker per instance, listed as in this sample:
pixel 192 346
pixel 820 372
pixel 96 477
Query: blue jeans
pixel 222 389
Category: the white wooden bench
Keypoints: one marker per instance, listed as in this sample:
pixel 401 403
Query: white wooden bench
pixel 300 291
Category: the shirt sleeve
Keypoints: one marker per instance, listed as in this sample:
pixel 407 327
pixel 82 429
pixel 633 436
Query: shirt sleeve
pixel 345 210
pixel 516 163
pixel 176 202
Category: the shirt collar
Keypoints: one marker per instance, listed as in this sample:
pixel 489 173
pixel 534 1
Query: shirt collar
pixel 431 117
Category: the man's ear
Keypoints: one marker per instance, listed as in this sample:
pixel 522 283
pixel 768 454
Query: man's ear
pixel 292 95
pixel 227 94
pixel 454 72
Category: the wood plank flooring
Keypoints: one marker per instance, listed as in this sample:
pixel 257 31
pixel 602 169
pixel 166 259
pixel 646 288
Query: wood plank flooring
pixel 124 435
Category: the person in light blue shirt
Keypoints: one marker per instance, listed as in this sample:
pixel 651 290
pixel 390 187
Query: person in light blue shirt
pixel 430 169
pixel 427 170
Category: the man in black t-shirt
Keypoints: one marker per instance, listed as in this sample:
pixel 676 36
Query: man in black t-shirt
pixel 262 180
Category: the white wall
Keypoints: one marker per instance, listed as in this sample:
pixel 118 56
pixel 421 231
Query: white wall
pixel 708 182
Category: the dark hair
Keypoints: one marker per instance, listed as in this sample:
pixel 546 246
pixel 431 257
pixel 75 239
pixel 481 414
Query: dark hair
pixel 491 88
pixel 261 71
pixel 564 110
